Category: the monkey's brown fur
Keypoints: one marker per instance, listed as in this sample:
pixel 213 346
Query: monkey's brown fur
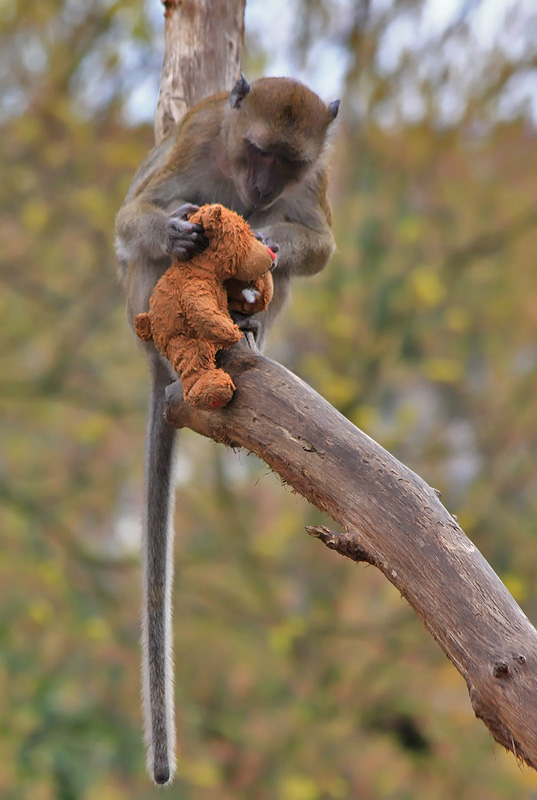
pixel 260 150
pixel 189 319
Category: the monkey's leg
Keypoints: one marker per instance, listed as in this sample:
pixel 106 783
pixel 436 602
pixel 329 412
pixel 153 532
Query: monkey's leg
pixel 157 572
pixel 247 323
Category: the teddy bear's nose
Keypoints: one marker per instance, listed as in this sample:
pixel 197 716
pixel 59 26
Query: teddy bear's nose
pixel 273 249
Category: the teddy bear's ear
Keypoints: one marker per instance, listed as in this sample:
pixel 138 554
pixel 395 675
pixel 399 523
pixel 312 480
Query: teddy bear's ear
pixel 212 217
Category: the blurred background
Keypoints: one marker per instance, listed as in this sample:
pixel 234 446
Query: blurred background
pixel 300 676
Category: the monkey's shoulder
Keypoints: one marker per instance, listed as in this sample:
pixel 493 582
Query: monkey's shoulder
pixel 202 120
pixel 151 164
pixel 183 161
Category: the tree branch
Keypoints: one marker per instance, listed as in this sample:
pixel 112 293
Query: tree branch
pixel 392 519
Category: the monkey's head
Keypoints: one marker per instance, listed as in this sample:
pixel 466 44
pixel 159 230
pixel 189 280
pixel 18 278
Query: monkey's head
pixel 277 130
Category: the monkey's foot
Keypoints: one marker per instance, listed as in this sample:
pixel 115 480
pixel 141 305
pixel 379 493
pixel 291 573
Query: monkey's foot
pixel 246 322
pixel 174 394
pixel 213 390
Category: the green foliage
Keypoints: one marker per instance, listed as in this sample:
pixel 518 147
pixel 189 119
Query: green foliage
pixel 300 676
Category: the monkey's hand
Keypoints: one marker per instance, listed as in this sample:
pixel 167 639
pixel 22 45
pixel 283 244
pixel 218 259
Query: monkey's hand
pixel 266 240
pixel 184 239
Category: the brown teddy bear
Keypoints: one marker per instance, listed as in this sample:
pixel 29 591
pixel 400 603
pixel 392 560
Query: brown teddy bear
pixel 188 317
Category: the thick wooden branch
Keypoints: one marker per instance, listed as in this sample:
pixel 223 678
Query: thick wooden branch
pixel 392 519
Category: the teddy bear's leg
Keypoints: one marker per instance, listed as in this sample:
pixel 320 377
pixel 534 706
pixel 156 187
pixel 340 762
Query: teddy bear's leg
pixel 190 358
pixel 213 389
pixel 204 386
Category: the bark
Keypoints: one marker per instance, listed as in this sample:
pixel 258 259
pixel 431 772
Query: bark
pixel 392 519
pixel 202 55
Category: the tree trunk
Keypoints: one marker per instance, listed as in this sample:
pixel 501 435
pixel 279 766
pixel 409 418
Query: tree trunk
pixel 202 55
pixel 393 520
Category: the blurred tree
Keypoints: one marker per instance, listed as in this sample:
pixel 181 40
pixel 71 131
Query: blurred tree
pixel 421 330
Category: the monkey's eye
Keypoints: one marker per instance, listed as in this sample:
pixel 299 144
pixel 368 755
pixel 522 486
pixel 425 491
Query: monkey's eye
pixel 258 151
pixel 292 162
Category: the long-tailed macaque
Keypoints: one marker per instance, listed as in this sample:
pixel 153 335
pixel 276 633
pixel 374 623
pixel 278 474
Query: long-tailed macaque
pixel 260 151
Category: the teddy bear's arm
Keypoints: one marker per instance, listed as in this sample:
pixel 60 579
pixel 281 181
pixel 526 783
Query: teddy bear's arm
pixel 203 312
pixel 142 327
pixel 249 298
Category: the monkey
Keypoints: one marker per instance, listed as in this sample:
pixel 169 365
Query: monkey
pixel 260 150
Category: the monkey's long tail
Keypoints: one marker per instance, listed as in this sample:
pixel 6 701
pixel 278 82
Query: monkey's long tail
pixel 157 571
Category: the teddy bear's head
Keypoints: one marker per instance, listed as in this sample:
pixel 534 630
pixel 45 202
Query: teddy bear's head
pixel 233 251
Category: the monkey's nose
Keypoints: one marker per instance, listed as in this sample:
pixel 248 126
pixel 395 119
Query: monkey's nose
pixel 263 195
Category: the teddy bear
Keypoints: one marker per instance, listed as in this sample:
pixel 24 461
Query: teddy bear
pixel 188 318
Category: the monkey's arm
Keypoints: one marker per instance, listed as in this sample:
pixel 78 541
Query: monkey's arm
pixel 303 250
pixel 142 227
pixel 300 227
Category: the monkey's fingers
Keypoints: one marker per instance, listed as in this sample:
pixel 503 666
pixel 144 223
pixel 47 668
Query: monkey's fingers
pixel 184 239
pixel 185 229
pixel 266 240
pixel 184 211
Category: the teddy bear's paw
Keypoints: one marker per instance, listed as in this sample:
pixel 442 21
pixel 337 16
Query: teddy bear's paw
pixel 213 390
pixel 142 327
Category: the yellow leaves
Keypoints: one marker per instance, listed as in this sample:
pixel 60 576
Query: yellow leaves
pixel 337 788
pixel 387 783
pixel 299 787
pixel 51 573
pixel 275 541
pixel 410 229
pixel 339 389
pixel 282 637
pixel 98 629
pixel 517 586
pixel 520 772
pixel 458 319
pixel 56 153
pixel 364 417
pixel 125 153
pixel 443 370
pixel 340 326
pixel 89 200
pixel 29 129
pixel 199 772
pixel 428 289
pixel 35 215
pixel 92 429
pixel 41 612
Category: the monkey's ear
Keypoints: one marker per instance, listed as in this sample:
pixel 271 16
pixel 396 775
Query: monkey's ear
pixel 333 108
pixel 239 92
